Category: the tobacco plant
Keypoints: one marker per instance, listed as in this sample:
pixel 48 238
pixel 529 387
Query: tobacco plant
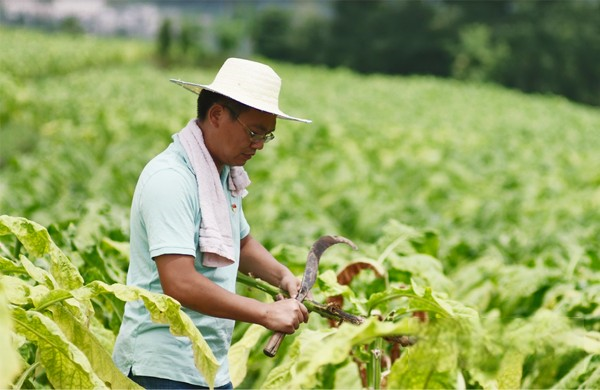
pixel 61 340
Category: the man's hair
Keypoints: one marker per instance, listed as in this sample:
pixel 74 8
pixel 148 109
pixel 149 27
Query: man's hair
pixel 207 98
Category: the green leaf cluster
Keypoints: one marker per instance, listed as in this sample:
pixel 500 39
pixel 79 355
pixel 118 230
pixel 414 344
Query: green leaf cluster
pixel 53 316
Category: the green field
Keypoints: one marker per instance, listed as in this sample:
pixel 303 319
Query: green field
pixel 476 204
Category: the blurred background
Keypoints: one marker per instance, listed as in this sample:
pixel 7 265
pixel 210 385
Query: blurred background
pixel 456 142
pixel 534 46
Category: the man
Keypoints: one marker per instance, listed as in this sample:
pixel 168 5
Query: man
pixel 189 235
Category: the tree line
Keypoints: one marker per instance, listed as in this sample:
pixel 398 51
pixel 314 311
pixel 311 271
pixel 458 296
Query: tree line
pixel 538 46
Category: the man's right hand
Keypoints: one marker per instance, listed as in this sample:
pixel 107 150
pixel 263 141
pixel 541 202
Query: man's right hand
pixel 285 315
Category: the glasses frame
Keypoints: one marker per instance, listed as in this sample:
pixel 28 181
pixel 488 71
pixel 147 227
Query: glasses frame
pixel 254 137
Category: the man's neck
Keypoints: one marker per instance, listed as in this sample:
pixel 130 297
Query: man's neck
pixel 219 165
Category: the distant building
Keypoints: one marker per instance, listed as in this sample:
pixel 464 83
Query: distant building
pixel 94 16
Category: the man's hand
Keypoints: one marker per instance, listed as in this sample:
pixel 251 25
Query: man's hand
pixel 291 284
pixel 285 316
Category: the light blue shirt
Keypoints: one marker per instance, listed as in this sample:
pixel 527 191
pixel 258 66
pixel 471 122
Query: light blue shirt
pixel 165 219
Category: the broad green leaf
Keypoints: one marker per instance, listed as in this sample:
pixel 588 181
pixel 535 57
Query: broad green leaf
pixel 409 372
pixel 37 242
pixel 239 352
pixel 38 274
pixel 347 376
pixel 432 363
pixel 163 309
pixel 66 366
pixel 511 370
pixel 415 298
pixel 17 291
pixel 50 297
pixel 8 267
pixel 329 286
pixel 85 339
pixel 121 247
pixel 281 375
pixel 10 359
pixel 316 349
pixel 423 268
pixel 23 293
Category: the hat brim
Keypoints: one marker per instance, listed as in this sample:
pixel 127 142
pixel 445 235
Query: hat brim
pixel 196 88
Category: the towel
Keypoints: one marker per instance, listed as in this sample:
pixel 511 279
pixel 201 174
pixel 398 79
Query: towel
pixel 215 235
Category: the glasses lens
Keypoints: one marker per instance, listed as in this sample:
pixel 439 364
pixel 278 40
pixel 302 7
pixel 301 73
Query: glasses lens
pixel 269 137
pixel 254 137
pixel 261 138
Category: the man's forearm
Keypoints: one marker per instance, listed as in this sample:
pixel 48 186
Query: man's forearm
pixel 193 290
pixel 256 260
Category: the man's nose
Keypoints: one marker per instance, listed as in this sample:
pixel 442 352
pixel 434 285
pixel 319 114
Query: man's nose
pixel 258 145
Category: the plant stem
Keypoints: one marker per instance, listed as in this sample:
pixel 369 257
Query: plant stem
pixel 326 311
pixel 376 353
pixel 25 375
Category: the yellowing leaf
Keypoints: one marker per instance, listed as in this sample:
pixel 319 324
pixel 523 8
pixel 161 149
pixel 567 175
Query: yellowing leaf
pixel 166 310
pixel 328 284
pixel 38 274
pixel 239 352
pixel 66 366
pixel 17 291
pixel 313 350
pixel 99 358
pixel 37 242
pixel 432 363
pixel 280 376
pixel 10 359
pixel 8 267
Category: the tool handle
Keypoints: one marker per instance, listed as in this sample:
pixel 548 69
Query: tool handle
pixel 273 345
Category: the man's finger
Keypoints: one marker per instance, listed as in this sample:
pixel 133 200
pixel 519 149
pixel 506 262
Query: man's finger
pixel 304 312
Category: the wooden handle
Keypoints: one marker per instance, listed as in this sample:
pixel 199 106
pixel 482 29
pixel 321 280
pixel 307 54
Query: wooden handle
pixel 273 345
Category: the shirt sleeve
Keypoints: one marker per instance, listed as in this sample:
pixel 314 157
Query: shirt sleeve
pixel 244 226
pixel 168 206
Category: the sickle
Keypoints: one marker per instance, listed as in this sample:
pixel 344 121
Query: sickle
pixel 308 280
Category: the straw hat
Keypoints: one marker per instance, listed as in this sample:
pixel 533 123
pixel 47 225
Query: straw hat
pixel 251 83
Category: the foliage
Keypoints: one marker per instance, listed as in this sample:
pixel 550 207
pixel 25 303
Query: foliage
pixel 554 56
pixel 191 43
pixel 11 363
pixel 472 203
pixel 477 57
pixel 52 309
pixel 533 45
pixel 165 37
pixel 271 32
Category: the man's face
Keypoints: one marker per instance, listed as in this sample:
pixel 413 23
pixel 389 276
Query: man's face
pixel 240 138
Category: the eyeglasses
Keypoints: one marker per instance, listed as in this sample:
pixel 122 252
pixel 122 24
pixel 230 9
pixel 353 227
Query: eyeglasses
pixel 254 137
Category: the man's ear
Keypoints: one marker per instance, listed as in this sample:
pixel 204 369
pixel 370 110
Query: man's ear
pixel 216 114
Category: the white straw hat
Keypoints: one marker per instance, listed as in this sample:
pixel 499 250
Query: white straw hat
pixel 251 83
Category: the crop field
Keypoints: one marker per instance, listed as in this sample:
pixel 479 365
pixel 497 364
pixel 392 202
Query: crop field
pixel 476 211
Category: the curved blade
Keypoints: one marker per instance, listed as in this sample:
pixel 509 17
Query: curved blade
pixel 312 261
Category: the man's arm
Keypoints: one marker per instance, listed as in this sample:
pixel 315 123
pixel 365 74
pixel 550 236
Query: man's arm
pixel 256 260
pixel 180 280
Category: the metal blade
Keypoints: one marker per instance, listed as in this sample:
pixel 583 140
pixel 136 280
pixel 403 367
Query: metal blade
pixel 312 262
